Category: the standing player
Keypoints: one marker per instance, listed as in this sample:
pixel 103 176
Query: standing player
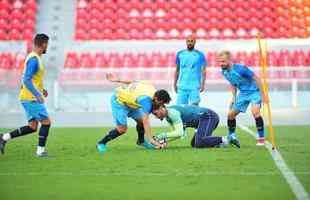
pixel 250 92
pixel 135 100
pixel 204 120
pixel 190 74
pixel 31 97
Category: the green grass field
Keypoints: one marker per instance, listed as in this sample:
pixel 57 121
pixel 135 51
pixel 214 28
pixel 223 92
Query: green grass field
pixel 77 171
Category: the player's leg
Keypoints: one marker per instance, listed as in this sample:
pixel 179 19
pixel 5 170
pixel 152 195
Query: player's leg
pixel 43 134
pixel 182 97
pixel 140 132
pixel 240 105
pixel 119 113
pixel 137 114
pixel 255 108
pixel 207 124
pixel 25 130
pixel 40 113
pixel 31 114
pixel 194 97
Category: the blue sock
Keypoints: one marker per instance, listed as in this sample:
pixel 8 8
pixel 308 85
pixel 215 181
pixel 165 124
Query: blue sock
pixel 261 133
pixel 260 126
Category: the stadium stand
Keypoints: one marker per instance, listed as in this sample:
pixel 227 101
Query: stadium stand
pixel 17 19
pixel 89 68
pixel 158 59
pixel 229 19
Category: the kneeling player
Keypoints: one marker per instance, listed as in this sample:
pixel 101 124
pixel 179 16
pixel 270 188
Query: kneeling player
pixel 204 120
pixel 135 101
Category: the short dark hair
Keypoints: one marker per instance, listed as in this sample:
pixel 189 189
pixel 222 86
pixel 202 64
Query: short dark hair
pixel 163 95
pixel 40 39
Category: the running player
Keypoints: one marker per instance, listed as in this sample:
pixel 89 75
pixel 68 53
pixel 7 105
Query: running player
pixel 32 95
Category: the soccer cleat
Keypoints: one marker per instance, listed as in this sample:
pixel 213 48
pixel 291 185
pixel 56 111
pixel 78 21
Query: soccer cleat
pixel 101 148
pixel 139 143
pixel 42 154
pixel 260 141
pixel 233 140
pixel 148 145
pixel 224 143
pixel 2 144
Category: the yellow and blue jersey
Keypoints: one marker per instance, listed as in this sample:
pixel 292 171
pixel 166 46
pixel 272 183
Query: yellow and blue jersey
pixel 190 63
pixel 137 95
pixel 240 77
pixel 32 81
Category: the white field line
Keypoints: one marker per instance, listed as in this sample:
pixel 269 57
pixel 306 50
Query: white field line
pixel 287 173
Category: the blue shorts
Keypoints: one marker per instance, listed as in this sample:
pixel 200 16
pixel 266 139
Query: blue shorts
pixel 188 97
pixel 121 112
pixel 34 110
pixel 244 99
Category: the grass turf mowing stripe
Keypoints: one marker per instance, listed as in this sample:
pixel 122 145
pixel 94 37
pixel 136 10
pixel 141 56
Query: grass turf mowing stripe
pixel 288 174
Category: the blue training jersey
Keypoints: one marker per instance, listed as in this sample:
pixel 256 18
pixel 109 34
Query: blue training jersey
pixel 146 104
pixel 32 66
pixel 191 64
pixel 190 114
pixel 240 77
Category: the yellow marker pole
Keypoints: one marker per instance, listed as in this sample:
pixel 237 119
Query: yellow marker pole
pixel 263 64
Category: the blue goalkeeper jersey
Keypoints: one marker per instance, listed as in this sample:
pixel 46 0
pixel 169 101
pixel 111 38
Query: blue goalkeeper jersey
pixel 240 77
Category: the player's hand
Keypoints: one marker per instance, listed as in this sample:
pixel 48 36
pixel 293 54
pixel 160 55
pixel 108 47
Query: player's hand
pixel 45 93
pixel 156 144
pixel 40 99
pixel 111 77
pixel 202 88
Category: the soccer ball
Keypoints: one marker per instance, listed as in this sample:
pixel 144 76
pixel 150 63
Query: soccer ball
pixel 163 142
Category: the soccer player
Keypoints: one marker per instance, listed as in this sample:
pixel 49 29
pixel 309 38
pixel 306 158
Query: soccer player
pixel 204 120
pixel 250 91
pixel 32 95
pixel 190 74
pixel 134 100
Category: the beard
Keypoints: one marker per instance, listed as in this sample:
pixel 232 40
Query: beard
pixel 190 47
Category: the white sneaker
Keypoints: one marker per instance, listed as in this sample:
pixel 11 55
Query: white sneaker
pixel 42 154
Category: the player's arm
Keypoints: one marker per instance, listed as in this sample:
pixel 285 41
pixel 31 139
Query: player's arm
pixel 176 73
pixel 260 86
pixel 112 77
pixel 234 95
pixel 32 66
pixel 203 72
pixel 177 126
pixel 146 106
pixel 148 131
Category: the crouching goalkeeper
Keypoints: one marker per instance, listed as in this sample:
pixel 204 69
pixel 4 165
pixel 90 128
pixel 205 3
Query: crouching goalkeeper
pixel 204 120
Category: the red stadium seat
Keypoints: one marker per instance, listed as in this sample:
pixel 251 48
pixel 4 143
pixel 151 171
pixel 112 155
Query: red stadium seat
pixel 86 60
pixel 71 61
pixel 17 14
pixel 6 61
pixel 14 34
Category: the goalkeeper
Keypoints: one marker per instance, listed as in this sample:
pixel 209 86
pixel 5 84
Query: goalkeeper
pixel 204 120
